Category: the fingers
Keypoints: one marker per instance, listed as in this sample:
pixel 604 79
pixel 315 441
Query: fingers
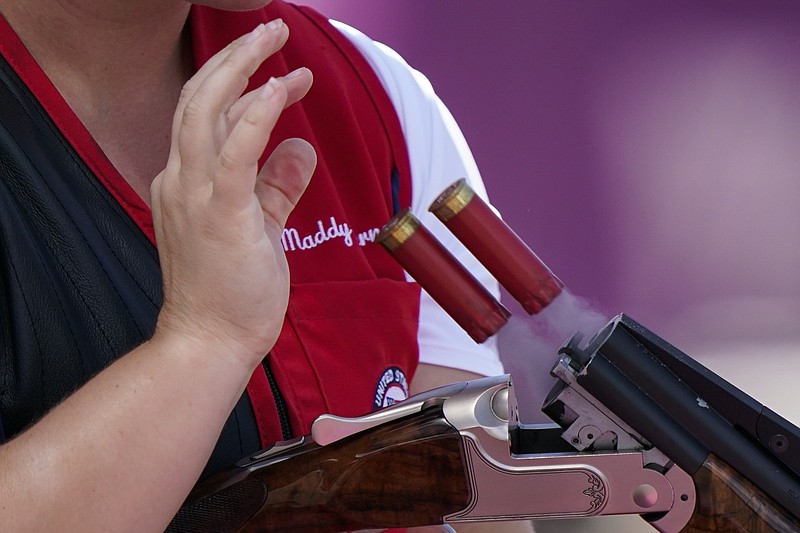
pixel 284 178
pixel 190 88
pixel 240 154
pixel 238 157
pixel 218 85
pixel 297 84
pixel 219 135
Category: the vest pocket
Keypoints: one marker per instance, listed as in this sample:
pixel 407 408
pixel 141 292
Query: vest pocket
pixel 346 347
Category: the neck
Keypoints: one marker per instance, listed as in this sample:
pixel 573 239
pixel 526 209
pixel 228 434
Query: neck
pixel 100 38
pixel 120 64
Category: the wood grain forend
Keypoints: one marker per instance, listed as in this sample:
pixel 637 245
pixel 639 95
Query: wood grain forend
pixel 727 502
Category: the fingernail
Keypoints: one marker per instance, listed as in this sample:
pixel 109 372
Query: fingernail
pixel 295 73
pixel 255 34
pixel 268 89
pixel 275 25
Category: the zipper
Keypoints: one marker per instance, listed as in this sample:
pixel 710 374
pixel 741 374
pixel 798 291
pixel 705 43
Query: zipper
pixel 280 403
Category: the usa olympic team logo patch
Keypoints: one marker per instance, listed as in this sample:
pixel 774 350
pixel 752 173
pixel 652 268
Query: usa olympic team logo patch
pixel 392 388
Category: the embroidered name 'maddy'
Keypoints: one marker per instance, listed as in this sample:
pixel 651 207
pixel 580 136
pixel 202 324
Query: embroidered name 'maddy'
pixel 291 239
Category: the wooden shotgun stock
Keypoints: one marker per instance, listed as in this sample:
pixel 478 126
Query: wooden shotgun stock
pixel 404 473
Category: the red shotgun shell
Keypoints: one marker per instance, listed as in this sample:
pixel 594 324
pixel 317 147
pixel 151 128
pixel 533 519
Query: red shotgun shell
pixel 451 285
pixel 497 247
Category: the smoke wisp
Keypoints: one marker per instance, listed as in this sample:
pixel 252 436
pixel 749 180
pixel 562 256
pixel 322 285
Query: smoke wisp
pixel 529 347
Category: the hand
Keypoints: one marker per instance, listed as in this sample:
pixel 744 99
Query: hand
pixel 219 220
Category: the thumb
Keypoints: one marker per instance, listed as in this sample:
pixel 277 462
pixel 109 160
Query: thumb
pixel 284 178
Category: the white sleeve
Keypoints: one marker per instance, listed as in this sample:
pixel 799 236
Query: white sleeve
pixel 439 155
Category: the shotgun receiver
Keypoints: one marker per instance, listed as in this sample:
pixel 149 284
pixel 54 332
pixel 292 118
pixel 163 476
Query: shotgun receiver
pixel 639 428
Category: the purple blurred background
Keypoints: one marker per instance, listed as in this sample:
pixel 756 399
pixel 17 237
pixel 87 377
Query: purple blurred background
pixel 649 152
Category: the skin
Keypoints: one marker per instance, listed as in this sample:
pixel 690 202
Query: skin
pixel 133 441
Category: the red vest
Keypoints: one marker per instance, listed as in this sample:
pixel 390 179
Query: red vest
pixel 350 333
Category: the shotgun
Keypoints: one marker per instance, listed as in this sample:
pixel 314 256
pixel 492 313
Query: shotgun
pixel 638 428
